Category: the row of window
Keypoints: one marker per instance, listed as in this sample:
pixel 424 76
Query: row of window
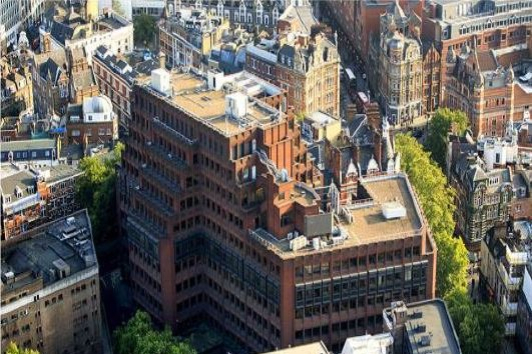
pixel 146 298
pixel 363 261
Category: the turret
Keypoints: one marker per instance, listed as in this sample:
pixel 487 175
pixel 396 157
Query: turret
pixel 92 9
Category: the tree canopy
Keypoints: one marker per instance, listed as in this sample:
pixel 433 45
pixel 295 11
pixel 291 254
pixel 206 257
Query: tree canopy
pixel 437 201
pixel 12 348
pixel 443 121
pixel 96 190
pixel 480 327
pixel 144 29
pixel 139 337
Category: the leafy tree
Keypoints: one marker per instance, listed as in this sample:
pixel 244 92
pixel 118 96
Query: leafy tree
pixel 139 337
pixel 117 7
pixel 441 123
pixel 12 348
pixel 480 327
pixel 437 201
pixel 96 190
pixel 144 29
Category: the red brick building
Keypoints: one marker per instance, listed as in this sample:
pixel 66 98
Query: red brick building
pixel 223 223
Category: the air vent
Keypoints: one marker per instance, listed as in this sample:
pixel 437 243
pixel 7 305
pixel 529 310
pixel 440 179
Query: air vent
pixel 425 341
pixel 393 210
pixel 421 328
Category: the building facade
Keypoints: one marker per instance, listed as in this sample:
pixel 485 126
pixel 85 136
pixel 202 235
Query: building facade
pixel 51 275
pixel 34 196
pixel 399 76
pixel 16 93
pixel 64 28
pixel 505 254
pixel 14 15
pixel 91 123
pixel 358 20
pixel 307 68
pixel 484 197
pixel 256 13
pixel 188 38
pixel 524 313
pixel 116 77
pixel 267 265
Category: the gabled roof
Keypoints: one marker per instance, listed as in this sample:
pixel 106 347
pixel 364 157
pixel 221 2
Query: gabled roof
pixel 486 61
pixel 61 32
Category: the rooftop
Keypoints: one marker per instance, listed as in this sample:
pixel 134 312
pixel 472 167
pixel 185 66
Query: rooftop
pixel 190 93
pixel 429 327
pixel 312 348
pixel 20 145
pixel 389 212
pixel 368 344
pixel 47 255
pixel 369 221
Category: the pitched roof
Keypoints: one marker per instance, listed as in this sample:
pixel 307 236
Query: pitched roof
pixel 61 32
pixel 486 61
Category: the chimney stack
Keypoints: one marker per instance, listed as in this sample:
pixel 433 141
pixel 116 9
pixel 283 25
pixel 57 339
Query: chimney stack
pixel 162 60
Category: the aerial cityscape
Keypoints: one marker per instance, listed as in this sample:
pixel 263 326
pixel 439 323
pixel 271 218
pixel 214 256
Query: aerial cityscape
pixel 266 176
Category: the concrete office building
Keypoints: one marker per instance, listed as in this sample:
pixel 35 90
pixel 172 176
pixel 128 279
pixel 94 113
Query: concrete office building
pixel 50 278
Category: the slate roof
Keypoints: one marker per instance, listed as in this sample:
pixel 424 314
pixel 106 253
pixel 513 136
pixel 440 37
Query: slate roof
pixel 486 61
pixel 50 63
pixel 61 32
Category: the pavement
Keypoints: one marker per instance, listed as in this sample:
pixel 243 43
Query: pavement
pixel 473 282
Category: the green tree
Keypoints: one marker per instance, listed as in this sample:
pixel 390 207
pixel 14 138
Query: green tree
pixel 12 348
pixel 437 201
pixel 117 7
pixel 139 337
pixel 443 121
pixel 480 327
pixel 96 190
pixel 144 29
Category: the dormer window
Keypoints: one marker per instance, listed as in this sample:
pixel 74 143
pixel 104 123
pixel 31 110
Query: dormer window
pixel 18 192
pixel 7 198
pixel 30 189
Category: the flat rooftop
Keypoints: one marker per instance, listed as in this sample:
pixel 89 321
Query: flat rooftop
pixel 387 194
pixel 312 348
pixel 191 94
pixel 369 223
pixel 434 315
pixel 19 145
pixel 64 245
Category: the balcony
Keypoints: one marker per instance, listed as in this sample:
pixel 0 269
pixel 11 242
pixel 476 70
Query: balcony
pixel 158 204
pixel 166 156
pixel 170 184
pixel 511 283
pixel 509 329
pixel 180 137
pixel 516 258
pixel 509 308
pixel 143 226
